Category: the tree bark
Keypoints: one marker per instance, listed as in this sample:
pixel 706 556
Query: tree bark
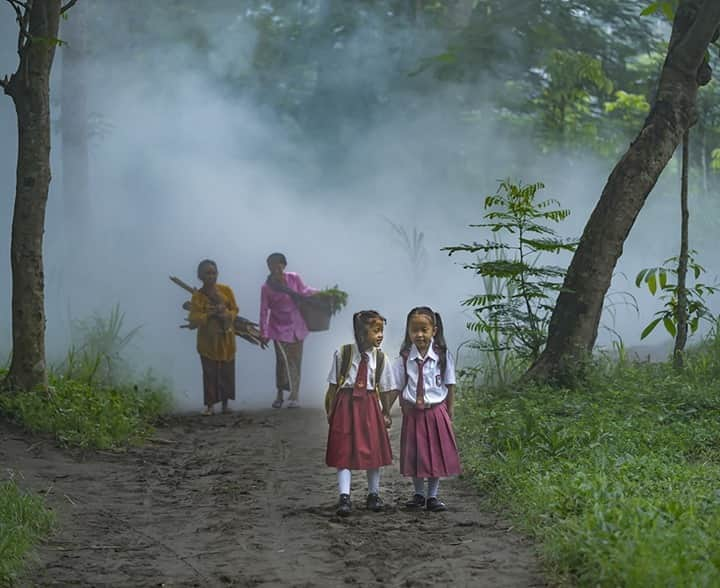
pixel 682 309
pixel 29 88
pixel 74 131
pixel 574 324
pixel 703 162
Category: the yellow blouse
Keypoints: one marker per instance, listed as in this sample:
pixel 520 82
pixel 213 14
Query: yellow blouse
pixel 215 336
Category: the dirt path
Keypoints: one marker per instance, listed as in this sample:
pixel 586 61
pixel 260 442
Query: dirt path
pixel 245 500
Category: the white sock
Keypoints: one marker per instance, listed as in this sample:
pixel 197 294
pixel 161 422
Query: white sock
pixel 419 486
pixel 433 486
pixel 344 478
pixel 373 477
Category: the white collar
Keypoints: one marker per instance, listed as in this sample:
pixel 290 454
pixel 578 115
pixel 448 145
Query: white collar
pixel 415 354
pixel 371 352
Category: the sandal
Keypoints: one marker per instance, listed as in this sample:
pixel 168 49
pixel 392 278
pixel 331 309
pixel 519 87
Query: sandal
pixel 277 404
pixel 207 412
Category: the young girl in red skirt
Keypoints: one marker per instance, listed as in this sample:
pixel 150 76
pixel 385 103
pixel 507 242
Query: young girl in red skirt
pixel 425 375
pixel 358 439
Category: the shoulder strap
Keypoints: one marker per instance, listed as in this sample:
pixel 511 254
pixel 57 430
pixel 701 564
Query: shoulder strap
pixel 345 362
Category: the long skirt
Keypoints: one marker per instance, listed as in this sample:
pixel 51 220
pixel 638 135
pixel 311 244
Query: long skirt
pixel 287 374
pixel 427 443
pixel 218 380
pixel 357 439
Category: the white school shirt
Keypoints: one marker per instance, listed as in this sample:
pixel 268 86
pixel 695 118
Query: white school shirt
pixel 387 381
pixel 435 385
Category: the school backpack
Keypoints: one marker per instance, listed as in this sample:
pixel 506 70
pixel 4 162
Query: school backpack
pixel 345 362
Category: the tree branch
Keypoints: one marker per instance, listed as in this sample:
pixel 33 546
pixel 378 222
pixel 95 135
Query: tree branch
pixel 690 50
pixel 67 7
pixel 22 16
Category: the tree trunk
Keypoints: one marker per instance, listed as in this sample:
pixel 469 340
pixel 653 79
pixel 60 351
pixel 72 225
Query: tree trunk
pixel 704 162
pixel 574 324
pixel 74 129
pixel 682 309
pixel 29 88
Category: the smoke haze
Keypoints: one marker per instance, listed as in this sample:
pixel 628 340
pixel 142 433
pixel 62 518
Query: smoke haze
pixel 181 169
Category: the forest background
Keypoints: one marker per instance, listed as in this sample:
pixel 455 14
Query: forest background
pixel 361 138
pixel 243 128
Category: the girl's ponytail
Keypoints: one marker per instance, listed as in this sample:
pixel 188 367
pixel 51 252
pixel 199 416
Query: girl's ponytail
pixel 357 331
pixel 440 343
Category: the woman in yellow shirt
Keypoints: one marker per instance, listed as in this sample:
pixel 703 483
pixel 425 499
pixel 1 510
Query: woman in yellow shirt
pixel 212 311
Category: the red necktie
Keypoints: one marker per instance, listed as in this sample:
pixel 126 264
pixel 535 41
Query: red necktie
pixel 360 388
pixel 420 390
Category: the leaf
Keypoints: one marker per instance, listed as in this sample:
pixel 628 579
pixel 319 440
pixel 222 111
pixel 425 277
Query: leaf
pixel 668 10
pixel 649 329
pixel 640 276
pixel 651 281
pixel 669 326
pixel 694 323
pixel 651 9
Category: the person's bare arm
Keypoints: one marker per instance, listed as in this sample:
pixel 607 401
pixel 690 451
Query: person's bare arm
pixel 450 400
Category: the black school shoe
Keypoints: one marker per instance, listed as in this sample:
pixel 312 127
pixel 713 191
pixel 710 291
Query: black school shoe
pixel 435 505
pixel 344 505
pixel 417 501
pixel 374 503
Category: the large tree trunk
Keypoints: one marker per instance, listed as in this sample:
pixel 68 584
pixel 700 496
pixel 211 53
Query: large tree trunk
pixel 574 324
pixel 74 130
pixel 29 88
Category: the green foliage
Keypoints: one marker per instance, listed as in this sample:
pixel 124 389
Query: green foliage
pixel 715 159
pixel 96 354
pixel 656 280
pixel 514 310
pixel 665 7
pixel 413 244
pixel 573 78
pixel 339 298
pixel 617 480
pixel 628 109
pixel 24 520
pixel 84 415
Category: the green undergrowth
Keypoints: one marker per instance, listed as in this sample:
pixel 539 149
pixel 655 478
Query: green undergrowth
pixel 89 415
pixel 619 481
pixel 24 521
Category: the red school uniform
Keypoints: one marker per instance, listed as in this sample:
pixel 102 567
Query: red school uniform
pixel 427 442
pixel 357 438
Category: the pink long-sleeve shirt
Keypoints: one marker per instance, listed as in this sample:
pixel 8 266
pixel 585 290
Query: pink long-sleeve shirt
pixel 280 318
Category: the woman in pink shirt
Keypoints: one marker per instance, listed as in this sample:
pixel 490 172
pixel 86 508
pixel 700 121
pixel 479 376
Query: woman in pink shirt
pixel 281 321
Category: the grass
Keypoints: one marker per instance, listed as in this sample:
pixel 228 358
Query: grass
pixel 93 402
pixel 87 406
pixel 83 414
pixel 24 520
pixel 619 481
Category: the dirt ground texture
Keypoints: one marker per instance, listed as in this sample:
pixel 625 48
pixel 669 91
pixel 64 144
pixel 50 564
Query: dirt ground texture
pixel 246 500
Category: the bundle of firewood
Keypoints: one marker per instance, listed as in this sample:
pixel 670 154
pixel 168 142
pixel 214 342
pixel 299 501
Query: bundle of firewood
pixel 244 328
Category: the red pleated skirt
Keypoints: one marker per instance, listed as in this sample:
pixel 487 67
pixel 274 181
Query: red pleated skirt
pixel 427 443
pixel 357 439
